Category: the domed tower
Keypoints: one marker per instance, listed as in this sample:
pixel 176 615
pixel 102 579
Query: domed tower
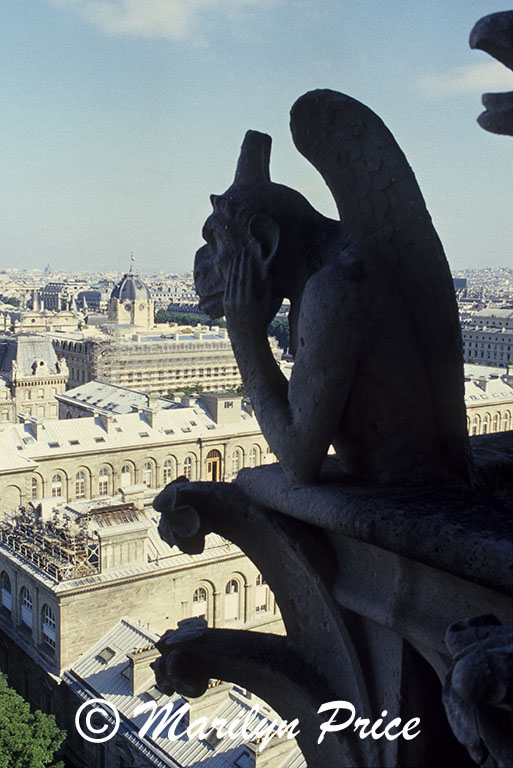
pixel 130 303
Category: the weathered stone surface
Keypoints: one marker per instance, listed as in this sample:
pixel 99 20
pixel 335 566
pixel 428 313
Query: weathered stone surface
pixel 373 320
pixel 494 34
pixel 460 531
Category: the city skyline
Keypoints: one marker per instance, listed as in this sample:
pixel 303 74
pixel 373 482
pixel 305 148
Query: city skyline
pixel 120 119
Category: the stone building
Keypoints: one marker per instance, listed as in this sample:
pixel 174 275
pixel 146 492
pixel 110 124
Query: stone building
pixel 76 574
pixel 488 337
pixel 130 351
pixel 21 320
pixel 61 294
pixel 207 438
pixel 131 303
pixel 488 399
pixel 31 376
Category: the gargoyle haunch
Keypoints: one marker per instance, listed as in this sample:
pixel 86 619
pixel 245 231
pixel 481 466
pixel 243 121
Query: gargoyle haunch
pixel 373 318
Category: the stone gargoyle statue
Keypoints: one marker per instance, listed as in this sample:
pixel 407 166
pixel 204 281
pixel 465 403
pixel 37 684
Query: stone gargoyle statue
pixel 374 329
pixel 494 35
pixel 478 690
pixel 367 576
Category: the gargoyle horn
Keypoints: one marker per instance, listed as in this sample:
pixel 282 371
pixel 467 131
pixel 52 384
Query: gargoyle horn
pixel 254 160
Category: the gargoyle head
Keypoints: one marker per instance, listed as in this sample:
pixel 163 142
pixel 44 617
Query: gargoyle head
pixel 253 208
pixel 494 34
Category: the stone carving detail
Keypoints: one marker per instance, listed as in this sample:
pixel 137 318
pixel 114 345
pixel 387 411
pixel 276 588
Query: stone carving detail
pixel 494 34
pixel 479 687
pixel 373 321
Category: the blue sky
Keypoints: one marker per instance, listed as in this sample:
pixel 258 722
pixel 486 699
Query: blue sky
pixel 119 117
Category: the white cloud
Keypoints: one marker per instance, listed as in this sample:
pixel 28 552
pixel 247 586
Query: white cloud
pixel 171 19
pixel 481 77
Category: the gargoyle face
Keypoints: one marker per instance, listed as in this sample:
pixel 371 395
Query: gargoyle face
pixel 212 262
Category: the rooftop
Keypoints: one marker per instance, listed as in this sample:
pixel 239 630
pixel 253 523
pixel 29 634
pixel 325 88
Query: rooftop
pixel 111 430
pixel 130 288
pixel 99 674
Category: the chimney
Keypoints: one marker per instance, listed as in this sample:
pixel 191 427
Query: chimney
pixel 150 415
pixel 36 426
pixel 152 398
pixel 140 672
pixel 212 701
pixel 274 753
pixel 107 420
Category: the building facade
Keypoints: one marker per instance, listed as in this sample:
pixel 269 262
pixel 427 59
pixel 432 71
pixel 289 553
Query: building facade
pixel 488 337
pixel 128 350
pixel 31 376
pixel 488 399
pixel 208 438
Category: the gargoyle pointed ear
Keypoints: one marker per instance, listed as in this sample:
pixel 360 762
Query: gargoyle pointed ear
pixel 254 160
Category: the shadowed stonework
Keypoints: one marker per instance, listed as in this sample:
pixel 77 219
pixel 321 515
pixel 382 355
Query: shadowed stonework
pixel 373 321
pixel 494 34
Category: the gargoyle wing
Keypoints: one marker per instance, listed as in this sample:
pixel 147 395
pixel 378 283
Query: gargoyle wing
pixel 387 223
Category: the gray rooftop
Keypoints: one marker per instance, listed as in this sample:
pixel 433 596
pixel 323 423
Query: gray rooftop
pixel 32 355
pixel 94 676
pixel 130 288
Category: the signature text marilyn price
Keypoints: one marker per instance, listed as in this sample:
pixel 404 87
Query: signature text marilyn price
pixel 170 721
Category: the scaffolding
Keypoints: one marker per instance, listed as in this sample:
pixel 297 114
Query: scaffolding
pixel 61 547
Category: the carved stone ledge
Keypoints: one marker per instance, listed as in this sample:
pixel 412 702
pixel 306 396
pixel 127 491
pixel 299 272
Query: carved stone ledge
pixel 366 596
pixel 451 528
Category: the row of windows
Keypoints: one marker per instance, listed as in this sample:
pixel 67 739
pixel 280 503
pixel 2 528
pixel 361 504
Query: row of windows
pixel 170 467
pixel 481 426
pixel 233 600
pixel 39 394
pixel 26 610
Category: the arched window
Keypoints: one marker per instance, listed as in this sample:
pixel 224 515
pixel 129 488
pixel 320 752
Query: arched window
pixel 200 602
pixel 126 475
pixel 254 456
pixel 26 607
pixel 231 601
pixel 48 625
pixel 236 460
pixel 57 484
pixel 80 485
pixel 167 471
pixel 486 424
pixel 187 467
pixel 103 482
pixel 147 475
pixel 6 594
pixel 495 423
pixel 506 421
pixel 475 425
pixel 35 488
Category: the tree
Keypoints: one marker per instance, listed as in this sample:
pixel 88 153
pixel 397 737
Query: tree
pixel 26 740
pixel 279 328
pixel 187 390
pixel 187 318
